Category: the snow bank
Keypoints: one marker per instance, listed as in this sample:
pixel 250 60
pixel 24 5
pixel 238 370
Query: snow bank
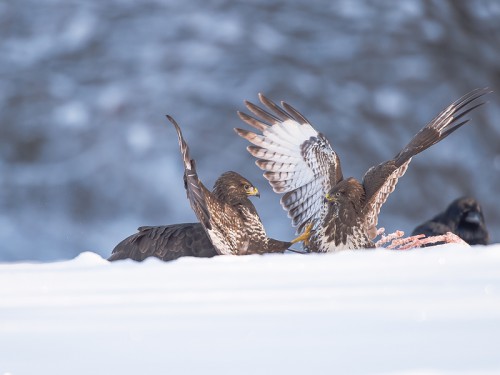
pixel 426 311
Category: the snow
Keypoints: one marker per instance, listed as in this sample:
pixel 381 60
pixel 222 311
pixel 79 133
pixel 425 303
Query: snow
pixel 427 311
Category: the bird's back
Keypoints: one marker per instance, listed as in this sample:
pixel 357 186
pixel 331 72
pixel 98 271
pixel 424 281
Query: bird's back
pixel 166 243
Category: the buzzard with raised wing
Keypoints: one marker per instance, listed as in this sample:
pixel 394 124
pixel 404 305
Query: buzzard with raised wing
pixel 227 215
pixel 300 163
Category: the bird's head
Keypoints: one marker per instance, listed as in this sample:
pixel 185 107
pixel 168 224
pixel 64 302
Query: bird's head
pixel 348 190
pixel 345 198
pixel 469 220
pixel 231 187
pixel 466 211
pixel 334 196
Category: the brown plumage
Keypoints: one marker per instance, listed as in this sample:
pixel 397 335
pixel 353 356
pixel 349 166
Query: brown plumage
pixel 227 215
pixel 299 162
pixel 166 242
pixel 170 242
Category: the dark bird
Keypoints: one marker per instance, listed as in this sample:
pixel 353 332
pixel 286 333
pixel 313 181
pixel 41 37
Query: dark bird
pixel 463 217
pixel 166 242
pixel 227 215
pixel 300 162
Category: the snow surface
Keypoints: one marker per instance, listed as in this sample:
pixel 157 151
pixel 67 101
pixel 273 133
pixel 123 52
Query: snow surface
pixel 426 311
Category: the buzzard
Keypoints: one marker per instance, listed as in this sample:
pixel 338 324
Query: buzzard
pixel 300 162
pixel 463 217
pixel 226 214
pixel 166 242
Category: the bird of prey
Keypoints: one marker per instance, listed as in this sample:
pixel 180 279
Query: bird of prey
pixel 166 242
pixel 226 214
pixel 463 217
pixel 300 162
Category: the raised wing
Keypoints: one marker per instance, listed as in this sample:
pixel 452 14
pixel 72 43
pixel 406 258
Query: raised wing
pixel 200 198
pixel 297 160
pixel 381 180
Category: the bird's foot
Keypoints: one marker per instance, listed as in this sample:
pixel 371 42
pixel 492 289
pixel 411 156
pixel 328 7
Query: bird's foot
pixel 304 236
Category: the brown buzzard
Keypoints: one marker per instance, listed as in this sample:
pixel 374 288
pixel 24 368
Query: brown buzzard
pixel 300 162
pixel 227 215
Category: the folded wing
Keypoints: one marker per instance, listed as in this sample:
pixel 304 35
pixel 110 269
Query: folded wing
pixel 167 242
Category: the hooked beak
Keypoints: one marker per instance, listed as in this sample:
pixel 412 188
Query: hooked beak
pixel 473 217
pixel 254 191
pixel 329 198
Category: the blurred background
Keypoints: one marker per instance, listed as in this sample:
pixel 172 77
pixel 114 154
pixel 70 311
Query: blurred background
pixel 87 156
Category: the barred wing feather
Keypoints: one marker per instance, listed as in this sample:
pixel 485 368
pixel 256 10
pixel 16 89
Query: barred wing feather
pixel 296 159
pixel 381 180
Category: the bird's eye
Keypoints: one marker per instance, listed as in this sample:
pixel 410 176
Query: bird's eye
pixel 246 187
pixel 337 194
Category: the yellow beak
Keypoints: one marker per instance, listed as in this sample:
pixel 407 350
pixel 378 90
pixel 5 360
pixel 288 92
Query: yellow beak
pixel 254 191
pixel 329 198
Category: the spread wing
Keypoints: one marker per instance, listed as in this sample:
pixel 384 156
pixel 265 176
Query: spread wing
pixel 297 160
pixel 165 242
pixel 381 180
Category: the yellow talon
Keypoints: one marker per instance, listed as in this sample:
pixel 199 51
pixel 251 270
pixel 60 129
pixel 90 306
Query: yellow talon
pixel 304 237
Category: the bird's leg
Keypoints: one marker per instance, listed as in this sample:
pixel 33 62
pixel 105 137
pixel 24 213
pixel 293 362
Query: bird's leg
pixel 304 236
